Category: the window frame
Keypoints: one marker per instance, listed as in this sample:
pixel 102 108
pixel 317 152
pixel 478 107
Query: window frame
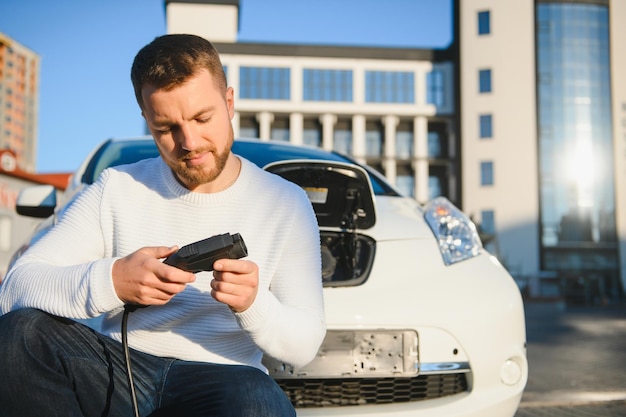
pixel 487 177
pixel 485 126
pixel 485 81
pixel 484 22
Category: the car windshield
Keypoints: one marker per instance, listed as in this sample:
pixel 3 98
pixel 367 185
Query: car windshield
pixel 114 153
pixel 261 153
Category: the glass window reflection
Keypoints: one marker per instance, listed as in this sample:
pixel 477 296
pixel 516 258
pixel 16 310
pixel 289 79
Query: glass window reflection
pixel 484 81
pixel 327 85
pixel 484 27
pixel 486 173
pixel 485 123
pixel 575 134
pixel 435 88
pixel 404 144
pixel 342 137
pixel 389 87
pixel 264 83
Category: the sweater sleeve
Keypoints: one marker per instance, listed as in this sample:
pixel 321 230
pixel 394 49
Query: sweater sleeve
pixel 287 320
pixel 57 273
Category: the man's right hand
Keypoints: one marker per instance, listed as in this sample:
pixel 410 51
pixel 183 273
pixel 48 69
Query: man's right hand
pixel 142 278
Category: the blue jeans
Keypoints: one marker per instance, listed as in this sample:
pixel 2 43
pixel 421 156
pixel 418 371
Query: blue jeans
pixel 51 366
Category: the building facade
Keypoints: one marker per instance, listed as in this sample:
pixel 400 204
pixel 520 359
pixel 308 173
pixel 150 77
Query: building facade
pixel 391 108
pixel 521 122
pixel 396 114
pixel 543 139
pixel 19 101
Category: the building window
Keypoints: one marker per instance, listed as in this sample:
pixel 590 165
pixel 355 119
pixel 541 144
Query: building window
pixel 312 133
pixel 438 176
pixel 434 187
pixel 248 127
pixel 374 139
pixel 327 85
pixel 434 145
pixel 486 128
pixel 389 87
pixel 405 181
pixel 487 230
pixel 487 222
pixel 437 140
pixel 280 129
pixel 576 170
pixel 484 81
pixel 264 83
pixel 484 24
pixel 435 88
pixel 342 137
pixel 404 141
pixel 486 173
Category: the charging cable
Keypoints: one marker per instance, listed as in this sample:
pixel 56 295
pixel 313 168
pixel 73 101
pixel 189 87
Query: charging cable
pixel 129 372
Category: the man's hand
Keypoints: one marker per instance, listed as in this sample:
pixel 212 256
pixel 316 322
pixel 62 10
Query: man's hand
pixel 235 283
pixel 141 277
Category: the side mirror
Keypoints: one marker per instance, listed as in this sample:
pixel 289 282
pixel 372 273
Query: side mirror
pixel 37 201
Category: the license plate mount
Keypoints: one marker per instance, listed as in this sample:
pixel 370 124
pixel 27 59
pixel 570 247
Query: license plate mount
pixel 358 354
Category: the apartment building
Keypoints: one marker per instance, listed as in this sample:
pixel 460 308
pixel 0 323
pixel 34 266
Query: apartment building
pixel 19 101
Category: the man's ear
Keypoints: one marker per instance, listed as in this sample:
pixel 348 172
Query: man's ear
pixel 230 102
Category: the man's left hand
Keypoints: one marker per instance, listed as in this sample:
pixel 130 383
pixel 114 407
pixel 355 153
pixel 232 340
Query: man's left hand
pixel 235 283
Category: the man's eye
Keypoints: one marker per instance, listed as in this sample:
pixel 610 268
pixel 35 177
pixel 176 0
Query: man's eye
pixel 164 130
pixel 204 120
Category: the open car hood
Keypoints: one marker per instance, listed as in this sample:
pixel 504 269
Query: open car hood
pixel 341 193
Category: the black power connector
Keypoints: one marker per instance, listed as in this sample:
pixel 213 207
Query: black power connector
pixel 194 257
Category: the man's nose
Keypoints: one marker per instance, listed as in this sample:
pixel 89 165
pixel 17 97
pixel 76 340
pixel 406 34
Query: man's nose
pixel 187 137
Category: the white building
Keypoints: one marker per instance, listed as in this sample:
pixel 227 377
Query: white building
pixel 521 122
pixel 543 133
pixel 391 108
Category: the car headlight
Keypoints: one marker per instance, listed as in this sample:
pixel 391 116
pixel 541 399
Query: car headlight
pixel 455 232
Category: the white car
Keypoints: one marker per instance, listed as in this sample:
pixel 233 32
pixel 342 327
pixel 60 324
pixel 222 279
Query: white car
pixel 422 321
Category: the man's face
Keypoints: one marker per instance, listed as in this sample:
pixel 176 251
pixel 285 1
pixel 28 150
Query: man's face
pixel 191 125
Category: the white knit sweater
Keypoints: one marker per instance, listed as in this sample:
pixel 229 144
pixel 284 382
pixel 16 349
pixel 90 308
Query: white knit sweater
pixel 68 271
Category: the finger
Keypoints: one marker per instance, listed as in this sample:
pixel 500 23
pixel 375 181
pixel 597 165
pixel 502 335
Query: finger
pixel 160 293
pixel 225 287
pixel 162 251
pixel 236 303
pixel 244 281
pixel 238 266
pixel 222 289
pixel 168 273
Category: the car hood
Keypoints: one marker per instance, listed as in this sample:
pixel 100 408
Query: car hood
pixel 399 218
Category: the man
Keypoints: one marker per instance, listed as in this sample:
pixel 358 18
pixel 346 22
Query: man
pixel 197 347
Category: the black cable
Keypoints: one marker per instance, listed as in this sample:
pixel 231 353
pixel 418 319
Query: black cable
pixel 129 371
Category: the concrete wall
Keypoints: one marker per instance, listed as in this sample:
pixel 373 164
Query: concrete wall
pixel 509 52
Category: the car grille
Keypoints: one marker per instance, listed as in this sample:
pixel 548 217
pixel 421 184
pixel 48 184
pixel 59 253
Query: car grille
pixel 360 391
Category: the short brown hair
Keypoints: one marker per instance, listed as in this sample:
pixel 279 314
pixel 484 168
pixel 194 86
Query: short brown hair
pixel 170 60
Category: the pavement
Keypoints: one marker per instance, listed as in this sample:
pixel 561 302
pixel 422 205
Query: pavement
pixel 577 360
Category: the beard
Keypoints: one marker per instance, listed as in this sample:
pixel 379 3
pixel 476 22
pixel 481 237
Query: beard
pixel 197 175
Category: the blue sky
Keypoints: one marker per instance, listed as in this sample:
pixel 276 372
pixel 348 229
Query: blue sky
pixel 87 47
